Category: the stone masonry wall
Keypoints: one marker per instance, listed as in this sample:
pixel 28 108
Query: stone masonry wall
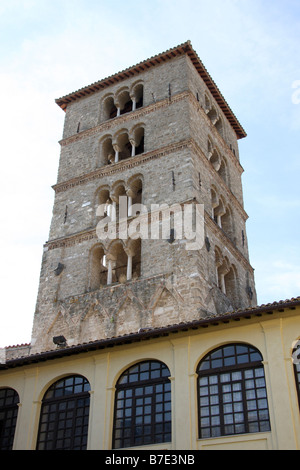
pixel 175 284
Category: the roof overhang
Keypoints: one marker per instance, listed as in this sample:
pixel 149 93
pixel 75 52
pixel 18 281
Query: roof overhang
pixel 154 333
pixel 185 48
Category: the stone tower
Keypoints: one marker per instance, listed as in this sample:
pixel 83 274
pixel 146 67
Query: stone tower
pixel 159 132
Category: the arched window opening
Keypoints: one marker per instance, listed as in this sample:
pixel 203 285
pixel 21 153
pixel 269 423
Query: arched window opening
pixel 135 195
pixel 139 96
pixel 109 108
pixel 230 283
pixel 117 264
pixel 143 406
pixel 207 103
pixel 227 223
pixel 127 107
pixel 119 191
pixel 137 188
pixel 65 415
pixel 124 102
pixel 9 400
pixel 214 202
pixel 232 394
pixel 213 115
pixel 223 171
pixel 215 160
pixel 223 267
pixel 218 212
pixel 98 273
pixel 219 127
pixel 210 149
pixel 107 152
pixel 226 276
pixel 134 264
pixel 103 199
pixel 124 147
pixel 296 363
pixel 139 141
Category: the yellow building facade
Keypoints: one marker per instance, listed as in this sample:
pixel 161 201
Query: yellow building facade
pixel 272 331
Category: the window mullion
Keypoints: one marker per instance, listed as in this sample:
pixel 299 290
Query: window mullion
pixel 221 409
pixel 245 406
pixel 133 420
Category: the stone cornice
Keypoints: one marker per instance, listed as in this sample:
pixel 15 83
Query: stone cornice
pixel 72 240
pixel 121 166
pixel 90 233
pixel 144 158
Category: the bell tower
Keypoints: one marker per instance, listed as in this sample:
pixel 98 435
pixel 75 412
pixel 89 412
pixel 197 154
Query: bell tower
pixel 158 134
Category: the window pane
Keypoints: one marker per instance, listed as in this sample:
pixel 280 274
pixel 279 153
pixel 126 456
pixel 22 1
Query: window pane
pixel 64 415
pixel 149 408
pixel 9 400
pixel 238 398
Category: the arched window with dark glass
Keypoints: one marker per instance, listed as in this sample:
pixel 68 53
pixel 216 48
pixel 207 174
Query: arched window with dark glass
pixel 232 394
pixel 65 415
pixel 9 400
pixel 143 406
pixel 296 363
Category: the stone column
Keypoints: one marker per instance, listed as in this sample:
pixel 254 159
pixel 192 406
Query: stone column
pixel 117 151
pixel 129 267
pixel 130 194
pixel 133 143
pixel 222 286
pixel 133 99
pixel 110 265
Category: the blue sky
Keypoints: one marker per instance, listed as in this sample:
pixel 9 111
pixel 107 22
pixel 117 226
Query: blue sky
pixel 49 48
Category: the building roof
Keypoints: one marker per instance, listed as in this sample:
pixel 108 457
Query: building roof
pixel 185 48
pixel 152 333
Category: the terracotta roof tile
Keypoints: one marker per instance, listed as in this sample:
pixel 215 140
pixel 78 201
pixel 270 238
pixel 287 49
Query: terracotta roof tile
pixel 148 333
pixel 184 48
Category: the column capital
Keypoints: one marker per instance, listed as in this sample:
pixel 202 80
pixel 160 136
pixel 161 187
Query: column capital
pixel 130 192
pixel 116 147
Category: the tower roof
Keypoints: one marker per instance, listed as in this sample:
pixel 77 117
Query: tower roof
pixel 185 48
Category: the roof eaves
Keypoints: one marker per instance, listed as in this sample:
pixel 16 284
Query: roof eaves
pixel 122 75
pixel 184 48
pixel 146 334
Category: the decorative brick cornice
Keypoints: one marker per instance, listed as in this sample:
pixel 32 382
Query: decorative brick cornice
pixel 72 240
pixel 130 162
pixel 90 234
